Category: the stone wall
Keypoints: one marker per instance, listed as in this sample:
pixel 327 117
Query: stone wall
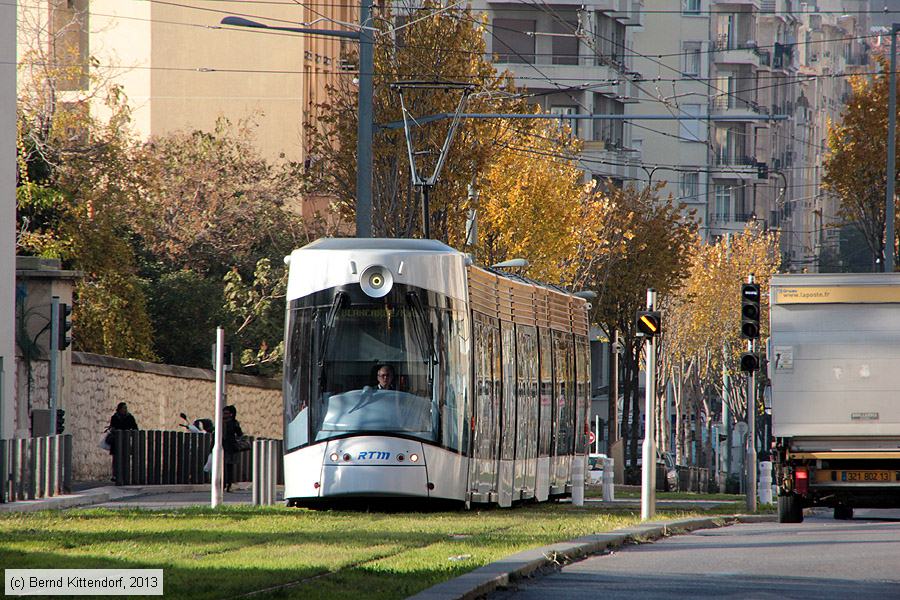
pixel 155 395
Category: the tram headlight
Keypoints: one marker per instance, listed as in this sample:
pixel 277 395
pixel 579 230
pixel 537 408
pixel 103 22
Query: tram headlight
pixel 334 457
pixel 413 458
pixel 376 281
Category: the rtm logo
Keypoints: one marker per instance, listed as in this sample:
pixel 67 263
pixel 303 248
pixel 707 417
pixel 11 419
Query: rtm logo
pixel 374 455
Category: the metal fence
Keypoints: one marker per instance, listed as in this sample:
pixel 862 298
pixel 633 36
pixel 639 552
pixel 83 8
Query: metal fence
pixel 168 457
pixel 695 479
pixel 32 468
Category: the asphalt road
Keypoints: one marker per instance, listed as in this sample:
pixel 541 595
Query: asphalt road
pixel 819 558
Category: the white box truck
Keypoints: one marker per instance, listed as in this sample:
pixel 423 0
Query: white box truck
pixel 834 364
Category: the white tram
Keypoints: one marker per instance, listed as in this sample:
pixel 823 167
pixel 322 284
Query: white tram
pixel 489 401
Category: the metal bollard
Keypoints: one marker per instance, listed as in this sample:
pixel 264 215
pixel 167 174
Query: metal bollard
pixel 608 479
pixel 264 471
pixel 764 483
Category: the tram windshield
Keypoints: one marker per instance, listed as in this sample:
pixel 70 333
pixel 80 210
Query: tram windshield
pixel 367 365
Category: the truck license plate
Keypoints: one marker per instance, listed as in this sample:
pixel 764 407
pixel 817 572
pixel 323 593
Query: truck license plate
pixel 866 476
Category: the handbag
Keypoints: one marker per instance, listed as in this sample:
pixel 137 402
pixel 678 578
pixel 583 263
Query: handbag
pixel 105 441
pixel 242 443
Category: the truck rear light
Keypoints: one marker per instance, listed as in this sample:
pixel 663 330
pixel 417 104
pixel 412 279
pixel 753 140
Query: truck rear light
pixel 801 480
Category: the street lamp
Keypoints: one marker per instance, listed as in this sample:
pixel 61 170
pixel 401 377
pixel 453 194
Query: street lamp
pixel 365 109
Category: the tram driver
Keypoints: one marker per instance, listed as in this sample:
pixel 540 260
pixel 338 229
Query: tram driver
pixel 386 378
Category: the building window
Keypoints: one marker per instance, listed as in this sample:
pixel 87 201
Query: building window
pixel 691 130
pixel 511 42
pixel 690 187
pixel 609 131
pixel 692 56
pixel 609 40
pixel 724 208
pixel 565 42
pixel 690 7
pixel 562 111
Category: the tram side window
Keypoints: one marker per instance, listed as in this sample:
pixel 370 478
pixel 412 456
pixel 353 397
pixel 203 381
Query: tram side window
pixel 298 373
pixel 483 390
pixel 454 364
pixel 546 393
pixel 527 406
pixel 565 396
pixel 508 415
pixel 581 404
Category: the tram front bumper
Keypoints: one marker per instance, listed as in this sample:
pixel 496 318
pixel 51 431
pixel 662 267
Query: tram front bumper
pixel 374 467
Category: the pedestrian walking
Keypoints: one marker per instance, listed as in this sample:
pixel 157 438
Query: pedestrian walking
pixel 231 433
pixel 120 420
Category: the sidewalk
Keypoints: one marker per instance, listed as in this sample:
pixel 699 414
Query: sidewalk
pixel 529 563
pixel 132 496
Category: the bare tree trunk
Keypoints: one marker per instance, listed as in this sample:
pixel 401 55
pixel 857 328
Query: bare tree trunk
pixel 636 417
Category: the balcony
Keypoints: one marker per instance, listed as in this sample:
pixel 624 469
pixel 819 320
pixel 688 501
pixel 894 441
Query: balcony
pixel 730 217
pixel 728 51
pixel 733 107
pixel 783 56
pixel 730 165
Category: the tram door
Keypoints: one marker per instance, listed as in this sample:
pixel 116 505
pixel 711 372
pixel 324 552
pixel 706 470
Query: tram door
pixel 507 414
pixel 545 418
pixel 483 477
pixel 526 412
pixel 563 413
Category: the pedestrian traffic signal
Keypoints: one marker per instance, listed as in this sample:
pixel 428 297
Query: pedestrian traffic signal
pixel 60 421
pixel 65 327
pixel 649 323
pixel 762 170
pixel 750 311
pixel 749 362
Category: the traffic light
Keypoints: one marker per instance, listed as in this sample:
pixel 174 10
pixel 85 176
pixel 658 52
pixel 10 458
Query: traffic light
pixel 750 311
pixel 749 362
pixel 649 323
pixel 762 170
pixel 65 327
pixel 60 421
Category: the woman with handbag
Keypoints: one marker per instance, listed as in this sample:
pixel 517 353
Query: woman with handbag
pixel 231 432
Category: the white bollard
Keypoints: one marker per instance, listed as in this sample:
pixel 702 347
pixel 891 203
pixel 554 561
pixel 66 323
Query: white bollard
pixel 764 483
pixel 578 469
pixel 608 479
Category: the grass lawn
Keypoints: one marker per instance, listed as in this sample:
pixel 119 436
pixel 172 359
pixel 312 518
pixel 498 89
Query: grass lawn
pixel 232 551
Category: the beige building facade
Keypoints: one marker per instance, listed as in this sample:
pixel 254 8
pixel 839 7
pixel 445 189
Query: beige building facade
pixel 181 70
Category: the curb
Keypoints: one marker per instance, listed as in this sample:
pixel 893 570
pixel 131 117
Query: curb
pixel 86 498
pixel 501 573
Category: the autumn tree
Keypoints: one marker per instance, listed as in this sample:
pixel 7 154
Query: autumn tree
pixel 651 248
pixel 439 43
pixel 701 343
pixel 855 168
pixel 74 182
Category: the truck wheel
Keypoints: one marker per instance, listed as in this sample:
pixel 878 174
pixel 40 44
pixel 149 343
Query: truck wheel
pixel 789 509
pixel 843 513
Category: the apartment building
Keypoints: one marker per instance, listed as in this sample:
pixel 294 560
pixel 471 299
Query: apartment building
pixel 736 64
pixel 181 70
pixel 834 46
pixel 576 58
pixel 673 53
